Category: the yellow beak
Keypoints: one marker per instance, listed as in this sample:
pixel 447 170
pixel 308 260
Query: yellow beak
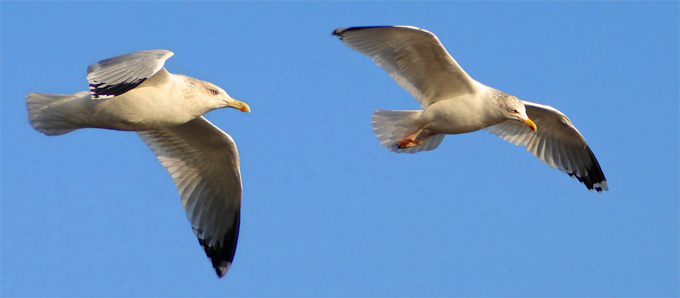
pixel 239 105
pixel 530 124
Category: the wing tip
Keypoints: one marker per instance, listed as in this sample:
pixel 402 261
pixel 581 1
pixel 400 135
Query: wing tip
pixel 600 186
pixel 341 31
pixel 221 253
pixel 222 269
pixel 220 256
pixel 594 175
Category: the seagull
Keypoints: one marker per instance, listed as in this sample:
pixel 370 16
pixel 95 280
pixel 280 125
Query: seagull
pixel 134 92
pixel 454 103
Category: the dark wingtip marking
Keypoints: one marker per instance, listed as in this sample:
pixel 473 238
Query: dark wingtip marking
pixel 340 31
pixel 102 90
pixel 594 177
pixel 223 253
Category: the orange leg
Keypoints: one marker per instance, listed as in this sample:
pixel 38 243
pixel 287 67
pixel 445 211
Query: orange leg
pixel 411 140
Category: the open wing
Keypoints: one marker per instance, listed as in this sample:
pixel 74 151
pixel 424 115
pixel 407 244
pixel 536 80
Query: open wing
pixel 414 58
pixel 556 142
pixel 120 74
pixel 204 164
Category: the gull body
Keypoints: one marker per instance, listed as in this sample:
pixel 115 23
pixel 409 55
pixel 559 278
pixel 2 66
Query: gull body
pixel 454 116
pixel 145 97
pixel 138 109
pixel 454 103
pixel 134 92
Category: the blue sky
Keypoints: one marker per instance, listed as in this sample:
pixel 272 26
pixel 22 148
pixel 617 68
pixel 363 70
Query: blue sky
pixel 326 210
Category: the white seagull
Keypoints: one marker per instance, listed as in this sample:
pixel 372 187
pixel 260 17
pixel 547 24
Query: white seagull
pixel 134 92
pixel 454 103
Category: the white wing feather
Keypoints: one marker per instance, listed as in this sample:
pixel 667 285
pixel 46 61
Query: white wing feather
pixel 414 58
pixel 204 164
pixel 117 75
pixel 556 142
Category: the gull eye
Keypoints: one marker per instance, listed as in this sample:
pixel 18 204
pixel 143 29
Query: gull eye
pixel 515 111
pixel 214 91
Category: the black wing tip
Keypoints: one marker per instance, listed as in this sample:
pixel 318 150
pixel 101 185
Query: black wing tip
pixel 591 180
pixel 103 90
pixel 598 186
pixel 341 31
pixel 222 253
pixel 594 177
pixel 222 270
pixel 221 256
pixel 338 32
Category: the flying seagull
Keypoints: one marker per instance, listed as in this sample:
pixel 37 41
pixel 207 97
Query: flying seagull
pixel 454 103
pixel 134 92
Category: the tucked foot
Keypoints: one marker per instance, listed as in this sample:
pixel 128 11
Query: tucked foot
pixel 407 143
pixel 410 140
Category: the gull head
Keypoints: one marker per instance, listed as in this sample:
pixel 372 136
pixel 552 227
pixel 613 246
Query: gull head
pixel 515 110
pixel 220 99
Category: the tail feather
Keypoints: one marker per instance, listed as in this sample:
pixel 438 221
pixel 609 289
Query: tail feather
pixel 391 127
pixel 55 114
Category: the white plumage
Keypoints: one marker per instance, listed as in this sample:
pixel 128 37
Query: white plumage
pixel 454 103
pixel 134 92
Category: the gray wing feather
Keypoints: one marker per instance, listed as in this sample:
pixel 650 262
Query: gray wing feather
pixel 117 75
pixel 204 165
pixel 556 142
pixel 414 58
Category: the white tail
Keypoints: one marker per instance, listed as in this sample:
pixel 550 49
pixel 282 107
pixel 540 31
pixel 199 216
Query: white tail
pixel 391 127
pixel 56 114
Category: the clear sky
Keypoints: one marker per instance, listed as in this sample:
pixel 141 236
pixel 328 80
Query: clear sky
pixel 326 210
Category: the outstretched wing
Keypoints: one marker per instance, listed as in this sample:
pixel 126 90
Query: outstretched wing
pixel 414 58
pixel 556 142
pixel 120 74
pixel 204 164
